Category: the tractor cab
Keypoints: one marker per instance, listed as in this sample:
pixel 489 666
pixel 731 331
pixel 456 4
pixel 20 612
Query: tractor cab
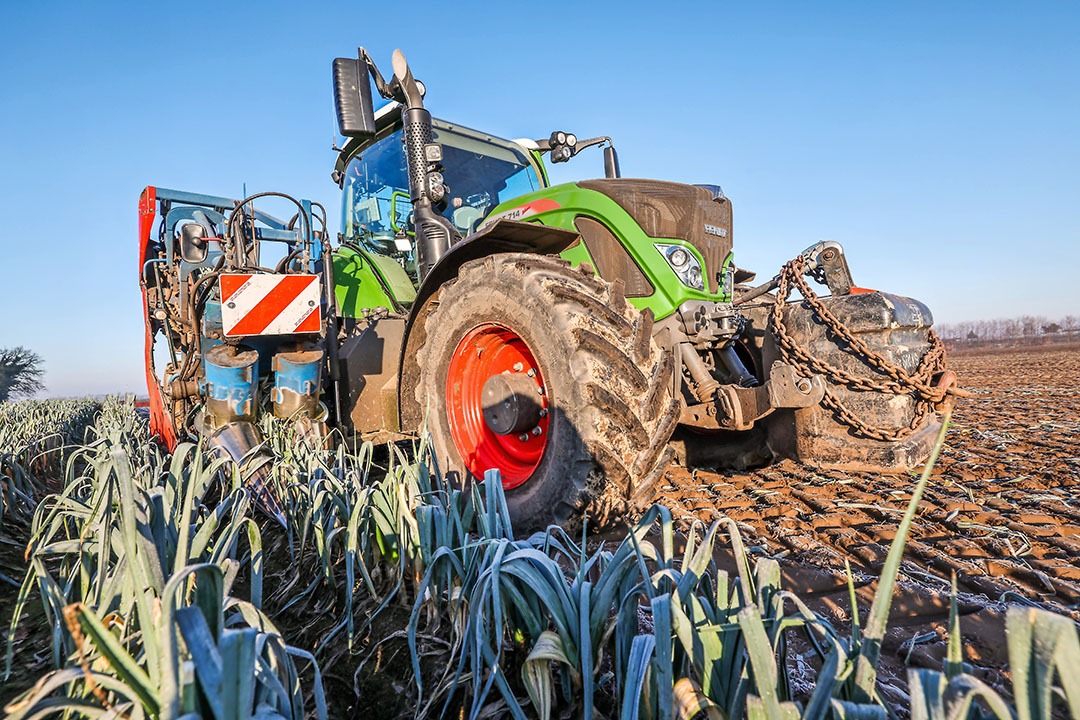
pixel 377 263
pixel 480 172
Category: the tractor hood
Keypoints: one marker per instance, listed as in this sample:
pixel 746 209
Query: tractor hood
pixel 673 210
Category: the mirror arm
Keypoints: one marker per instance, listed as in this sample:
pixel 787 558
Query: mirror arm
pixel 545 144
pixel 611 158
pixel 391 90
pixel 582 144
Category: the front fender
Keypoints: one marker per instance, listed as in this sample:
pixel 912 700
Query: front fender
pixel 502 236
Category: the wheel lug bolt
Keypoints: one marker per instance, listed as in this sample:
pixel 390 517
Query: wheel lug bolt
pixel 523 437
pixel 536 430
pixel 543 412
pixel 518 367
pixel 532 372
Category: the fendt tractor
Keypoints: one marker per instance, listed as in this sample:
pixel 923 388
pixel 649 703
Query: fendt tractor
pixel 578 337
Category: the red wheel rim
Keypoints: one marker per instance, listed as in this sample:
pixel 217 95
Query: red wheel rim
pixel 487 350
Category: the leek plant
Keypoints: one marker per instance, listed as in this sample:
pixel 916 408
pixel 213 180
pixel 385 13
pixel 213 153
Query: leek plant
pixel 151 569
pixel 645 632
pixel 33 437
pixel 135 570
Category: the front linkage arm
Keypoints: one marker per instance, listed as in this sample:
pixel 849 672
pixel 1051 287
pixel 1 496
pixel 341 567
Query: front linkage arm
pixel 825 262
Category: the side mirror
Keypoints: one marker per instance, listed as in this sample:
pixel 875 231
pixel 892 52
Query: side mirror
pixel 193 243
pixel 352 99
pixel 611 162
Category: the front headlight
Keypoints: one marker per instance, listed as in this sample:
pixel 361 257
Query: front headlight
pixel 436 186
pixel 685 264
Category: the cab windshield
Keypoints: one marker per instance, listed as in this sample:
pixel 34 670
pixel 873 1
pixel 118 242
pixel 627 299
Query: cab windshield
pixel 481 171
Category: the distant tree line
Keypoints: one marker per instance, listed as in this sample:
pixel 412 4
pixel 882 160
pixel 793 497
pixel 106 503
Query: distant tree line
pixel 1026 328
pixel 20 373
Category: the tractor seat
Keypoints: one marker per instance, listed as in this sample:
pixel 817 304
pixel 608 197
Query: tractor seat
pixel 465 219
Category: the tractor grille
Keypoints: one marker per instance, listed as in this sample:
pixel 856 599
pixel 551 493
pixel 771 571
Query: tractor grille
pixel 673 210
pixel 611 259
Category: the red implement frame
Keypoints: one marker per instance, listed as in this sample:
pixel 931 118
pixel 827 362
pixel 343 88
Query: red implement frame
pixel 160 422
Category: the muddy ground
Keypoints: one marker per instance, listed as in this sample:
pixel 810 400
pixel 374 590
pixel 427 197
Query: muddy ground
pixel 1002 511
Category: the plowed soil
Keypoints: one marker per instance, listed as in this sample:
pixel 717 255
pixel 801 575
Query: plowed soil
pixel 1002 511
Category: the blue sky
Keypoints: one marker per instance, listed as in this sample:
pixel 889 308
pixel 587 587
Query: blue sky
pixel 937 141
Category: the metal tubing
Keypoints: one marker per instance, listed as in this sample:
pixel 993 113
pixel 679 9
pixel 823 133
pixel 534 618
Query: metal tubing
pixel 705 385
pixel 236 440
pixel 734 365
pixel 311 251
pixel 417 130
pixel 150 262
pixel 242 442
pixel 221 204
pixel 433 231
pixel 758 291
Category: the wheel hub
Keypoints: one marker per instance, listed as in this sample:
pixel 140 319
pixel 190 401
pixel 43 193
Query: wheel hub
pixel 496 404
pixel 511 403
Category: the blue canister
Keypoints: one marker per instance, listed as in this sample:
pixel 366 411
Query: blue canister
pixel 297 383
pixel 231 383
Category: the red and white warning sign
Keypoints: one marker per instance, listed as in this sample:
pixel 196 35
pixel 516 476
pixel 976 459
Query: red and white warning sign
pixel 265 304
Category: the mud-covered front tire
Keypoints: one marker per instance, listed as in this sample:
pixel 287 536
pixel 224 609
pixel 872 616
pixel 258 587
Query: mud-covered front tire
pixel 608 410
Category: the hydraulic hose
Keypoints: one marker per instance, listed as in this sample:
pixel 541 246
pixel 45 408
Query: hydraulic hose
pixel 322 219
pixel 283 264
pixel 232 233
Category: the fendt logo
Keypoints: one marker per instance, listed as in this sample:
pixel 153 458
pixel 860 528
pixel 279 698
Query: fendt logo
pixel 713 230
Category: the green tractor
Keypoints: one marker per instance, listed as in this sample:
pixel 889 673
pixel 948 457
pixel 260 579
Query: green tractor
pixel 578 338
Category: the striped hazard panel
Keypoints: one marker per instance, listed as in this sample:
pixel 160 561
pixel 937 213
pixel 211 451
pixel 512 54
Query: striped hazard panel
pixel 265 304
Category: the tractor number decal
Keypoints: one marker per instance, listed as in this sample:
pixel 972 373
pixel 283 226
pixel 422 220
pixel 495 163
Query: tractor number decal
pixel 264 304
pixel 523 211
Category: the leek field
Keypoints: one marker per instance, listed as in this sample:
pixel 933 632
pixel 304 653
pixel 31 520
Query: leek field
pixel 139 584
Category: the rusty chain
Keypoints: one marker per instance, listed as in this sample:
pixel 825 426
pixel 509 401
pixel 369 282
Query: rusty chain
pixel 897 381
